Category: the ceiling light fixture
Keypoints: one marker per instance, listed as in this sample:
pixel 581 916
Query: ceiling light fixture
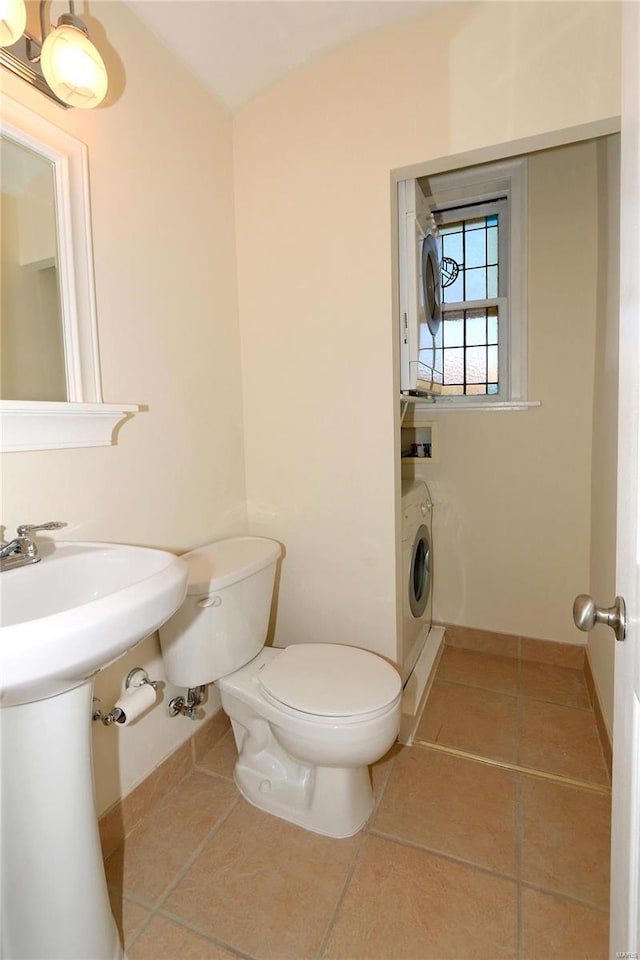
pixel 63 64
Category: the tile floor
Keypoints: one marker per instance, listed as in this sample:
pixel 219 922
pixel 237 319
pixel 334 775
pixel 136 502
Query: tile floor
pixel 536 715
pixel 461 859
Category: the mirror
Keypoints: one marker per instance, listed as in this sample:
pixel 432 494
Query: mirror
pixel 32 358
pixel 50 392
pixel 49 347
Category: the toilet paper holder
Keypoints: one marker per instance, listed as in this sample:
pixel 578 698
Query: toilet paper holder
pixel 138 677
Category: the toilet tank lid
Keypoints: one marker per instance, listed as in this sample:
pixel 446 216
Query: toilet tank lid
pixel 331 680
pixel 217 565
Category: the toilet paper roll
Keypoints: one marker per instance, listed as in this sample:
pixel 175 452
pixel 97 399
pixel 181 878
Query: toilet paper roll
pixel 135 701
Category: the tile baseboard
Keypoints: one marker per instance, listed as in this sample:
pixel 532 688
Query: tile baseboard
pixel 551 652
pixel 603 731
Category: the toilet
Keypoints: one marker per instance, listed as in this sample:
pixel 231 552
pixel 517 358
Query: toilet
pixel 309 719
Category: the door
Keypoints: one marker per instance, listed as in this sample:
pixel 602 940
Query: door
pixel 625 845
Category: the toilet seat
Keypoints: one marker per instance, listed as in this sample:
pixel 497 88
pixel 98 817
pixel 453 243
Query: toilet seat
pixel 331 680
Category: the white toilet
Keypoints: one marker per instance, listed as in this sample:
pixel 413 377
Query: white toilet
pixel 308 719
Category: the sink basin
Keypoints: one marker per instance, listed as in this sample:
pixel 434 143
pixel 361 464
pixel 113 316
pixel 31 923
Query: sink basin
pixel 81 607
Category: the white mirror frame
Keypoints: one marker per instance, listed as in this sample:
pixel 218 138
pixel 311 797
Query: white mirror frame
pixel 84 420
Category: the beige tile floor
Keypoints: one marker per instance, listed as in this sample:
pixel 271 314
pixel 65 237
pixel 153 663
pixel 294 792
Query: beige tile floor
pixel 461 859
pixel 536 715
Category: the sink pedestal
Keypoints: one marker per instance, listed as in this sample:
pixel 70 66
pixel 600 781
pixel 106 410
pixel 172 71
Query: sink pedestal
pixel 55 904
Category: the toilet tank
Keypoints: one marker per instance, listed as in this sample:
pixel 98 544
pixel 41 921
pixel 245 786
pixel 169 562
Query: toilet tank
pixel 223 622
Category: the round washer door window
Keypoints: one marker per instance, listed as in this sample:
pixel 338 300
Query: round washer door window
pixel 420 572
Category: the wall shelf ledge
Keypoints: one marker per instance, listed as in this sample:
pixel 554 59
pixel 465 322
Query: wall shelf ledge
pixel 32 425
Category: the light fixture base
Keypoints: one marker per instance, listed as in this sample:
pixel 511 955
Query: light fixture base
pixel 70 20
pixel 16 60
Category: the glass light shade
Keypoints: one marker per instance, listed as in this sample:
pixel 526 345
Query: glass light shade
pixel 13 20
pixel 73 68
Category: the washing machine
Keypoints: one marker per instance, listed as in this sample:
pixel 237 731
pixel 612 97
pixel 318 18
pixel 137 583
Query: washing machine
pixel 417 568
pixel 420 289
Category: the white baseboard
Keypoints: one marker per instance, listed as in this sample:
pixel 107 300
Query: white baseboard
pixel 416 689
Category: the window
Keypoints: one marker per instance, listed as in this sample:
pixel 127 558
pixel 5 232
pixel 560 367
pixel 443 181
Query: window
pixel 474 330
pixel 481 214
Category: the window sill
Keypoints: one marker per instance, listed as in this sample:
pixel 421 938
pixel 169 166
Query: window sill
pixel 32 425
pixel 486 407
pixel 440 405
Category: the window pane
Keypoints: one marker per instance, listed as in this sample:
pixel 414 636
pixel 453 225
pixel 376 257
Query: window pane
pixel 492 281
pixel 476 327
pixel 453 331
pixel 492 363
pixel 453 390
pixel 492 388
pixel 452 247
pixel 426 337
pixel 477 223
pixel 448 228
pixel 492 325
pixel 454 293
pixel 437 366
pixel 476 284
pixel 476 365
pixel 492 245
pixel 473 389
pixel 425 364
pixel 492 220
pixel 454 365
pixel 474 248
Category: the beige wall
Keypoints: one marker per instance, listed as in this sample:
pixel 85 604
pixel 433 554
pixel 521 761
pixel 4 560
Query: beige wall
pixel 313 157
pixel 512 490
pixel 163 230
pixel 602 580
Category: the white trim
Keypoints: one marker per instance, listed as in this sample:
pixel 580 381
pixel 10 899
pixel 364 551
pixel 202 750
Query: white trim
pixel 444 403
pixel 464 404
pixel 26 425
pixel 497 152
pixel 518 273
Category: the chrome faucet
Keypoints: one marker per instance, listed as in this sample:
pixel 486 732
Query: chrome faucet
pixel 23 549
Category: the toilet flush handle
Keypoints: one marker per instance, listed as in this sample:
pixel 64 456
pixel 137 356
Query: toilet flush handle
pixel 209 602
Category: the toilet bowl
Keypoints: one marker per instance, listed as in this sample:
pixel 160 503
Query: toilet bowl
pixel 309 719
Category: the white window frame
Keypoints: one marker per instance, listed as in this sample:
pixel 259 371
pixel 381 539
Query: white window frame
pixel 508 179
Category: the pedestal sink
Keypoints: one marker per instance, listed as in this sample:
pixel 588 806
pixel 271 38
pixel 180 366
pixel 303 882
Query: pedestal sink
pixel 61 620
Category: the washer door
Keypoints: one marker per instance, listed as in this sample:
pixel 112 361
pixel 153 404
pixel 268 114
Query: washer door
pixel 432 290
pixel 420 572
